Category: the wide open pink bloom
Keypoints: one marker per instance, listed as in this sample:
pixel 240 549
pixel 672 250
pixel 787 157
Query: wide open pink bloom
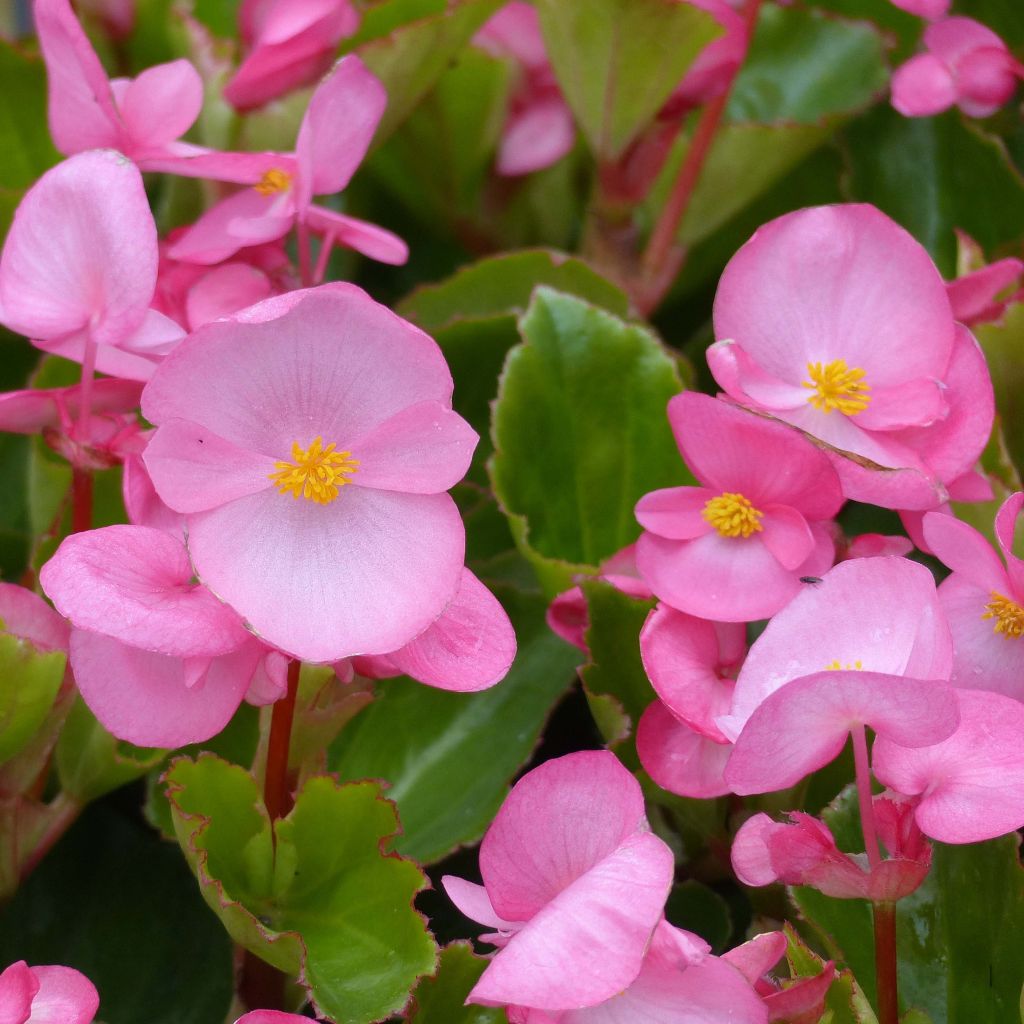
pixel 291 43
pixel 970 787
pixel 309 443
pixel 835 320
pixel 46 995
pixel 79 266
pixel 983 600
pixel 574 883
pixel 966 64
pixel 334 136
pixel 734 548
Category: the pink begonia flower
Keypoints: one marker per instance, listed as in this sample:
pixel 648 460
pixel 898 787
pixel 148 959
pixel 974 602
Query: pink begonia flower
pixel 970 787
pixel 567 615
pixel 692 664
pixel 335 134
pixel 679 983
pixel 734 548
pixel 966 64
pixel 539 129
pixel 974 297
pixel 46 995
pixel 158 659
pixel 983 600
pixel 835 319
pixel 309 442
pixel 930 9
pixel 574 882
pixel 291 43
pixel 79 266
pixel 804 852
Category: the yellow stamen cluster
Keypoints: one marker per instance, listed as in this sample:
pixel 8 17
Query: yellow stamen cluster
pixel 732 515
pixel 1008 614
pixel 837 386
pixel 273 181
pixel 316 473
pixel 834 666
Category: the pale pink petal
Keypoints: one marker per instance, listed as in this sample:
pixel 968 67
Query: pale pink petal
pixel 134 583
pixel 473 901
pixel 25 614
pixel 269 681
pixel 366 572
pixel 678 759
pixel 161 104
pixel 193 469
pixel 65 996
pixel 965 551
pixel 588 942
pixel 80 252
pixel 1006 527
pixel 974 296
pixel 375 242
pixel 424 449
pixel 786 535
pixel 536 137
pixel 18 986
pixel 917 403
pixel 287 18
pixel 805 724
pixel 154 338
pixel 750 855
pixel 144 698
pixel 225 290
pixel 676 513
pixel 337 129
pixel 469 648
pixel 923 86
pixel 81 108
pixel 143 504
pixel 548 832
pixel 756 957
pixel 954 38
pixel 745 382
pixel 190 161
pixel 972 784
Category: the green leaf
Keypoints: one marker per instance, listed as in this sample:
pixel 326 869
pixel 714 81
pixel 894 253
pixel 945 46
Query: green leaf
pixel 449 757
pixel 322 901
pixel 1003 344
pixel 116 902
pixel 962 178
pixel 618 61
pixel 845 1002
pixel 580 433
pixel 698 908
pixel 440 1000
pixel 29 682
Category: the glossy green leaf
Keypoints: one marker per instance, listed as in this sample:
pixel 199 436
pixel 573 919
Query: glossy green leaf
pixel 618 61
pixel 440 1000
pixel 845 1002
pixel 323 901
pixel 29 682
pixel 449 757
pixel 1003 345
pixel 935 174
pixel 580 433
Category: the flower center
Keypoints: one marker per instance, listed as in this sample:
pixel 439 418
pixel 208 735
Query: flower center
pixel 732 515
pixel 315 473
pixel 1008 614
pixel 273 181
pixel 835 666
pixel 837 386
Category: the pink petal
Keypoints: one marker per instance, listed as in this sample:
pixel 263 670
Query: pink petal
pixel 588 942
pixel 973 296
pixel 286 19
pixel 193 469
pixel 923 8
pixel 269 682
pixel 190 161
pixel 745 382
pixel 804 999
pixel 882 613
pixel 424 449
pixel 143 505
pixel 161 104
pixel 915 403
pixel 536 137
pixel 987 78
pixel 1006 526
pixel 965 551
pixel 134 583
pixel 874 545
pixel 756 957
pixel 375 242
pixel 567 617
pixel 25 614
pixel 81 108
pixel 65 996
pixel 473 901
pixel 337 129
pixel 271 1017
pixel 973 485
pixel 547 834
pixel 514 31
pixel 275 70
pixel 225 290
pixel 678 759
pixel 469 648
pixel 144 698
pixel 923 86
pixel 786 535
pixel 805 724
pixel 676 513
pixel 366 572
pixel 18 986
pixel 971 784
pixel 81 252
pixel 954 38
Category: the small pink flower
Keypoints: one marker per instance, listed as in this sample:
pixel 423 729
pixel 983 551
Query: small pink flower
pixel 734 548
pixel 574 883
pixel 309 443
pixel 966 64
pixel 291 43
pixel 46 995
pixel 335 134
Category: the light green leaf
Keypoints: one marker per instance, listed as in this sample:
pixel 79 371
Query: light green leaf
pixel 1003 345
pixel 440 1000
pixel 29 681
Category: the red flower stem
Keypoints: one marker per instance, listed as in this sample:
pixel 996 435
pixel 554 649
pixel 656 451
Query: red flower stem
pixel 326 245
pixel 305 255
pixel 662 240
pixel 63 812
pixel 81 500
pixel 885 962
pixel 81 479
pixel 862 765
pixel 276 785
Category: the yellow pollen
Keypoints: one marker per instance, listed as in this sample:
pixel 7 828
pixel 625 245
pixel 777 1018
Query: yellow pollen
pixel 834 666
pixel 316 473
pixel 837 386
pixel 273 181
pixel 1008 614
pixel 732 515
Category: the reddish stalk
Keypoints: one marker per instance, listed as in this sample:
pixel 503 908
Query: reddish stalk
pixel 885 962
pixel 305 253
pixel 277 783
pixel 81 479
pixel 81 499
pixel 862 765
pixel 326 245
